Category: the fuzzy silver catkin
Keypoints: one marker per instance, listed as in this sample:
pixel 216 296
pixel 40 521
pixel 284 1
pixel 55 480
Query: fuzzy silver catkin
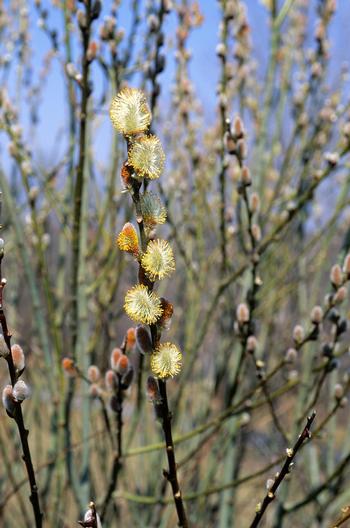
pixel 7 399
pixel 298 334
pixel 316 315
pixel 4 351
pixel 269 483
pixel 21 391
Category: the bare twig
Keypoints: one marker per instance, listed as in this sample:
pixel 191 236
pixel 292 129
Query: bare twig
pixel 291 453
pixel 17 415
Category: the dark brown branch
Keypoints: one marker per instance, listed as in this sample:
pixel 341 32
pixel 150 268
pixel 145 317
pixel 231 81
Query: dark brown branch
pixel 291 453
pixel 314 493
pixel 171 474
pixel 106 420
pixel 117 462
pixel 18 416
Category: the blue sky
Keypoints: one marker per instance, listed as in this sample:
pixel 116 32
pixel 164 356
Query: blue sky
pixel 203 67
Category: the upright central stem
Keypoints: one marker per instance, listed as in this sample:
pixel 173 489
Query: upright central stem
pixel 171 475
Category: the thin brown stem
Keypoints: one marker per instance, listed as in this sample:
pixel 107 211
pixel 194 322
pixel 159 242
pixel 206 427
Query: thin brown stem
pixel 344 517
pixel 18 416
pixel 117 462
pixel 291 453
pixel 171 474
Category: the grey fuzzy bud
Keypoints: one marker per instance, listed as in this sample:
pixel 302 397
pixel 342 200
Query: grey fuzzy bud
pixel 93 374
pixel 221 50
pixel 316 315
pixel 8 400
pixel 291 355
pixel 4 351
pixel 298 334
pixel 336 276
pixel 252 344
pixel 21 391
pixel 338 391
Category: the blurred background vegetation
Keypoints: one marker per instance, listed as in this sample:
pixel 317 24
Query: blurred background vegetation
pixel 239 91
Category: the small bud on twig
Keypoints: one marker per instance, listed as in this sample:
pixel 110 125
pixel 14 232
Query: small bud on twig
pixel 18 358
pixel 242 313
pixel 298 334
pixel 93 374
pixel 256 232
pixel 252 344
pixel 238 128
pixel 336 276
pixel 346 266
pixel 291 355
pixel 316 315
pixel 221 50
pixel 245 176
pixel 69 367
pixel 122 365
pixel 20 391
pixel 254 202
pixel 340 296
pixel 115 356
pixel 8 400
pixel 130 338
pixel 4 351
pixel 338 391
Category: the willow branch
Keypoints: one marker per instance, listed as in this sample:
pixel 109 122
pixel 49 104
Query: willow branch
pixel 291 453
